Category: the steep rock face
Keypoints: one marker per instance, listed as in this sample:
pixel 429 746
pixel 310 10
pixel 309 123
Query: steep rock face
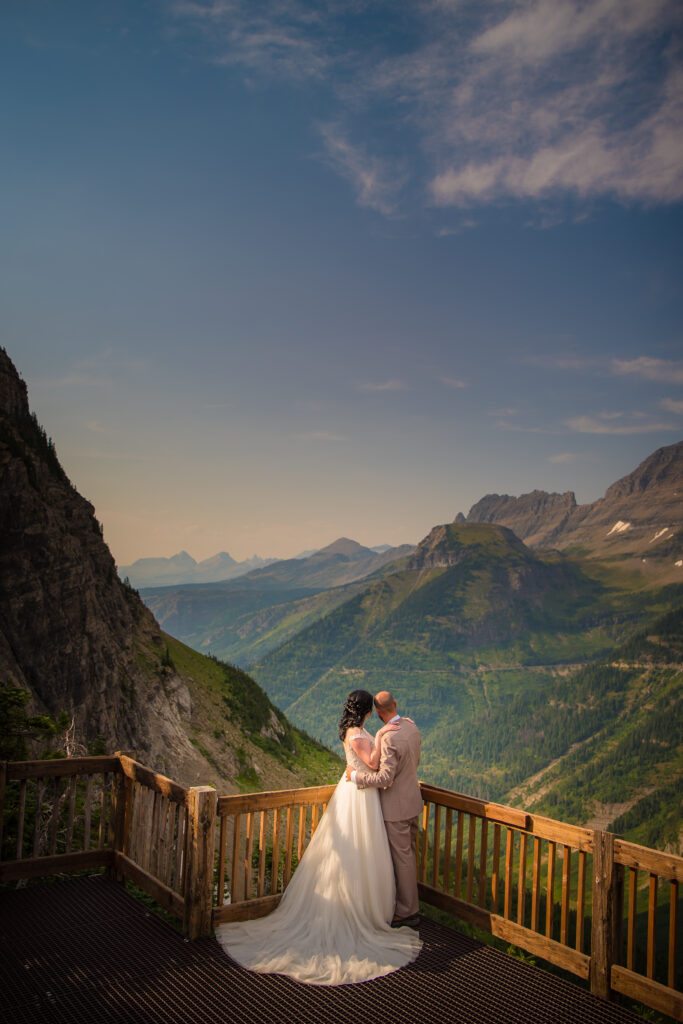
pixel 536 518
pixel 447 545
pixel 80 641
pixel 68 627
pixel 641 514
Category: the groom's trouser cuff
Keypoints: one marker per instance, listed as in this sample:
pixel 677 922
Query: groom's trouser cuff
pixel 402 837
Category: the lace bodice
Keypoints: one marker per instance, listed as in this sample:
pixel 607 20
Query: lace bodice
pixel 352 757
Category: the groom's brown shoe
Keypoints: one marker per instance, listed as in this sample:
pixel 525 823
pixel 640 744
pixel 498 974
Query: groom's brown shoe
pixel 409 922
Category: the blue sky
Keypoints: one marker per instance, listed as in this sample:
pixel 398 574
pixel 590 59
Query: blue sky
pixel 277 272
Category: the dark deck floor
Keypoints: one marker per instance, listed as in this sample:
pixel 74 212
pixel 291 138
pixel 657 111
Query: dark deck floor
pixel 83 950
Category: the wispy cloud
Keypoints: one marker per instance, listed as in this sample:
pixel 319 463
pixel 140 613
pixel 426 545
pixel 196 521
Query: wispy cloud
pixel 617 423
pixel 527 99
pixel 672 405
pixel 564 97
pixel 521 429
pixel 454 382
pixel 650 369
pixel 275 38
pixel 563 457
pixel 376 182
pixel 503 412
pixel 96 427
pixel 385 385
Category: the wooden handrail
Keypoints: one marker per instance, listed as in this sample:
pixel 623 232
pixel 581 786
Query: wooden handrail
pixel 242 803
pixel 61 767
pixel 664 865
pixel 472 805
pixel 483 856
pixel 152 780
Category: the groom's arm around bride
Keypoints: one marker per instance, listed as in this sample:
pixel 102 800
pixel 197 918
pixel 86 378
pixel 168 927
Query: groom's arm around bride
pixel 396 779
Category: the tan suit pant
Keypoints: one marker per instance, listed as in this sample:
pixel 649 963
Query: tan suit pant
pixel 402 836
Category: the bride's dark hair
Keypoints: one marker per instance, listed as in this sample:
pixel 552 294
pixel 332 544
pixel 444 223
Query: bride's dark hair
pixel 358 703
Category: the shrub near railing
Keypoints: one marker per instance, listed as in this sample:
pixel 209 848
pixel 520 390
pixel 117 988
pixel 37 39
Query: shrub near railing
pixel 56 815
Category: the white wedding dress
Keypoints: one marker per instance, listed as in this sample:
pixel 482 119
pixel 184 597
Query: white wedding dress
pixel 332 926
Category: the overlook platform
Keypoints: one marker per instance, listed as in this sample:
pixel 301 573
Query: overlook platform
pixel 84 951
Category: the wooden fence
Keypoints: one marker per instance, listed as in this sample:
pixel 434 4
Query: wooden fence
pixel 581 899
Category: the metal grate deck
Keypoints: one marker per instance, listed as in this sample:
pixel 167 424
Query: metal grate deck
pixel 83 951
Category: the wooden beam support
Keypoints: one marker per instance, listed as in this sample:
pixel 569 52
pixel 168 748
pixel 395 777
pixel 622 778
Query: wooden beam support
pixel 605 914
pixel 201 813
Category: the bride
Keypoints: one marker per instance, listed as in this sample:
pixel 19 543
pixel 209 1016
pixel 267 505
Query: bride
pixel 333 924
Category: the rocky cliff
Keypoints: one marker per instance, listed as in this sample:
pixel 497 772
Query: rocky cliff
pixel 537 518
pixel 640 515
pixel 82 642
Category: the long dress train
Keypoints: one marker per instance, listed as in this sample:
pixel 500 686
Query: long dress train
pixel 332 925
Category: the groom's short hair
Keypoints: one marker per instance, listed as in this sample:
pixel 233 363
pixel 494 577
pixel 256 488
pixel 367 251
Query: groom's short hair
pixel 384 700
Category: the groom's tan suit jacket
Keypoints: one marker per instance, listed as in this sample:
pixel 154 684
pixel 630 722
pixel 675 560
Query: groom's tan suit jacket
pixel 401 800
pixel 396 777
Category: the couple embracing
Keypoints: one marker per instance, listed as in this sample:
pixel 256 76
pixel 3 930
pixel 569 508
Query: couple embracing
pixel 350 910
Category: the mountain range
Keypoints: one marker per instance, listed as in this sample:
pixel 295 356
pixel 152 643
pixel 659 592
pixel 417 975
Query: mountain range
pixel 639 517
pixel 544 670
pixel 513 662
pixel 81 643
pixel 241 620
pixel 182 568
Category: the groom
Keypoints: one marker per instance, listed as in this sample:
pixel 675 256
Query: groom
pixel 396 779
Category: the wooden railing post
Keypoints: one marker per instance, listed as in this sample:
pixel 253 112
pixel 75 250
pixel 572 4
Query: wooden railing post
pixel 201 822
pixel 120 818
pixel 606 914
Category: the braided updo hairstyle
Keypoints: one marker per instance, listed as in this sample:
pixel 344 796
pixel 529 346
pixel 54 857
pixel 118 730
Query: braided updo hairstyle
pixel 358 703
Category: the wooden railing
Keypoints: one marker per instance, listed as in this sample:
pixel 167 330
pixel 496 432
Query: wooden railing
pixel 262 838
pixel 56 815
pixel 626 974
pixel 554 890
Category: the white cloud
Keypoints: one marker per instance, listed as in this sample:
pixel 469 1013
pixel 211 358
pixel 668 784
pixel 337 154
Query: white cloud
pixel 522 99
pixel 454 382
pixel 503 412
pixel 650 369
pixel 274 38
pixel 613 423
pixel 563 457
pixel 672 405
pixel 386 385
pixel 376 183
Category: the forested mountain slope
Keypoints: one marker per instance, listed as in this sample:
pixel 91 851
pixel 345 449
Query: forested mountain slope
pixel 241 620
pixel 505 657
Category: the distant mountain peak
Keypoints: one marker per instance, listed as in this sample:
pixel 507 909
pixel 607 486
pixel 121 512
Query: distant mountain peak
pixel 345 546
